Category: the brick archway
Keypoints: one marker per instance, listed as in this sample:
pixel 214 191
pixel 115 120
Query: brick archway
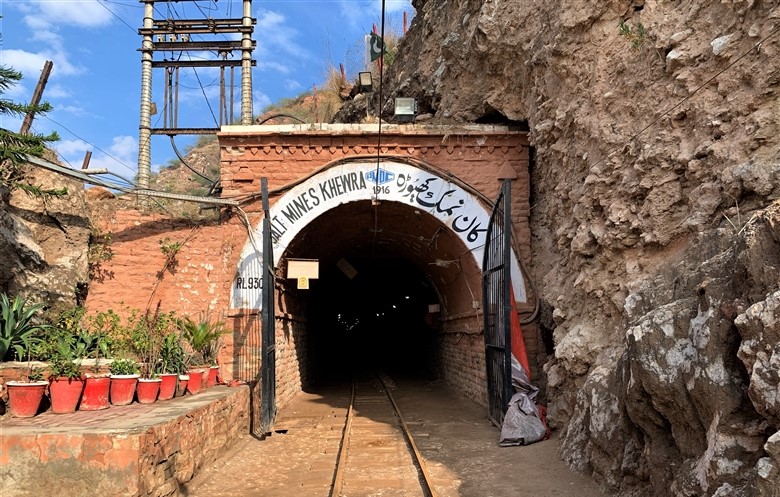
pixel 391 180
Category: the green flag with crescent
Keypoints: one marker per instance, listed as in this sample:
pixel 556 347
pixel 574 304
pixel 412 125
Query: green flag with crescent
pixel 377 47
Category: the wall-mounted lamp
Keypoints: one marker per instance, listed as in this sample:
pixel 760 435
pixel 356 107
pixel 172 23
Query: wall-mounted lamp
pixel 405 109
pixel 365 81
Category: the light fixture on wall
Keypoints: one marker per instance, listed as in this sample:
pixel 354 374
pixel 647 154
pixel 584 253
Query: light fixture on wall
pixel 405 109
pixel 366 82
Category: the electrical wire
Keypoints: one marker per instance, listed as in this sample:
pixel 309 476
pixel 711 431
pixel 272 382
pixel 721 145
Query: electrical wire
pixel 184 161
pixel 100 2
pixel 281 114
pixel 379 131
pixel 88 142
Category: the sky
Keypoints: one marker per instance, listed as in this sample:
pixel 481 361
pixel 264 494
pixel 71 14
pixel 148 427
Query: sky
pixel 95 83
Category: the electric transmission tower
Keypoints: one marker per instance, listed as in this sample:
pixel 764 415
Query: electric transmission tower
pixel 176 35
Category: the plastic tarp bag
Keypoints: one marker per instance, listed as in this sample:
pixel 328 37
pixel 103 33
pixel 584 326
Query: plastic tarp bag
pixel 522 423
pixel 520 428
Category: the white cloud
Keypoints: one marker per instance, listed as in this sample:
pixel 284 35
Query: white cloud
pixel 74 110
pixel 28 63
pixel 71 148
pixel 77 13
pixel 278 38
pixel 273 66
pixel 121 156
pixel 57 91
pixel 292 85
pixel 260 101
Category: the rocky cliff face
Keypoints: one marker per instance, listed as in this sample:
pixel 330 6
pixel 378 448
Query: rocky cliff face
pixel 656 220
pixel 44 242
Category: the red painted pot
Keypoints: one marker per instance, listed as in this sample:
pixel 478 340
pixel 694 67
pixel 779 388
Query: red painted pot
pixel 195 383
pixel 147 390
pixel 167 386
pixel 25 397
pixel 212 376
pixel 95 396
pixel 122 389
pixel 181 388
pixel 65 394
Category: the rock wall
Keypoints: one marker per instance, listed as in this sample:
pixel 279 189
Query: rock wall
pixel 44 242
pixel 654 220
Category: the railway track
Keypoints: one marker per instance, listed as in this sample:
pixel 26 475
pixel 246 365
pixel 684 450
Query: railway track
pixel 377 454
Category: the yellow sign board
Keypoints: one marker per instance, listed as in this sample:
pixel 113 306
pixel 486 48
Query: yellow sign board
pixel 303 283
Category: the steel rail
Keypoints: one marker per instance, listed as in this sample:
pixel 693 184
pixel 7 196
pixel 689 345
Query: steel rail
pixel 419 461
pixel 338 475
pixel 428 486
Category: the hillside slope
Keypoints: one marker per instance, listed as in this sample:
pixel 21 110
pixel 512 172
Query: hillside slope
pixel 655 218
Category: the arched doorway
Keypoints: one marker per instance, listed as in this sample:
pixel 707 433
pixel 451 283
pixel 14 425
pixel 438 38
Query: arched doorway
pixel 381 233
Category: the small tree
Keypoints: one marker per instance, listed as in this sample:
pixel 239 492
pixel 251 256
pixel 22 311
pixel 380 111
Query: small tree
pixel 14 146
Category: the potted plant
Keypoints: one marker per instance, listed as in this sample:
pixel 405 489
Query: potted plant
pixel 171 364
pixel 124 378
pixel 88 347
pixel 17 325
pixel 25 394
pixel 65 381
pixel 148 340
pixel 96 383
pixel 203 337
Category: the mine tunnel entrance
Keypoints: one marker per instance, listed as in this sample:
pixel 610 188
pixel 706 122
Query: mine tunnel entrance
pixel 391 279
pixel 399 250
pixel 378 317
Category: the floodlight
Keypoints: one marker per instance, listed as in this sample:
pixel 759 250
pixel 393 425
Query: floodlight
pixel 366 82
pixel 405 109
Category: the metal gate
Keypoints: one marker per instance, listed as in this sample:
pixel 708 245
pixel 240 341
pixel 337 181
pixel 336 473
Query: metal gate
pixel 268 368
pixel 496 306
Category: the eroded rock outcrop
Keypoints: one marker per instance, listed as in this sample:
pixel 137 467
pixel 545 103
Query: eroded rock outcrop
pixel 655 127
pixel 44 242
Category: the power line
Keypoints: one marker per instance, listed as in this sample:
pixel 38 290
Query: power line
pixel 203 90
pixel 88 142
pixel 100 2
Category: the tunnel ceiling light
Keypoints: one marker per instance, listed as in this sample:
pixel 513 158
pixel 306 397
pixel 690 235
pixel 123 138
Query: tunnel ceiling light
pixel 365 82
pixel 346 268
pixel 405 109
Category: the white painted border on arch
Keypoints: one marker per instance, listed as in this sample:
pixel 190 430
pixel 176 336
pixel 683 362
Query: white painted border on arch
pixel 391 181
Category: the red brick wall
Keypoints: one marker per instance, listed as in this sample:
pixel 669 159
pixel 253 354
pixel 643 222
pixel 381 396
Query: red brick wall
pixel 207 262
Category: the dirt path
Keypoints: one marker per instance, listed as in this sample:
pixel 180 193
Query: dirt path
pixel 459 444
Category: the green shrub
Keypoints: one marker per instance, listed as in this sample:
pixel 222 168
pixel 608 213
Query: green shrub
pixel 124 367
pixel 18 326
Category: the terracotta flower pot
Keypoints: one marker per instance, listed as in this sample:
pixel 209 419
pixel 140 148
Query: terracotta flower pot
pixel 213 371
pixel 195 383
pixel 123 388
pixel 25 397
pixel 181 388
pixel 95 396
pixel 65 394
pixel 147 390
pixel 167 386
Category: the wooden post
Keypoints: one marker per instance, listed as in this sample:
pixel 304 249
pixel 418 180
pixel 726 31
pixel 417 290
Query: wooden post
pixel 87 158
pixel 36 98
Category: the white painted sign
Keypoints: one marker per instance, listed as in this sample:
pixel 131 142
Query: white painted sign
pixel 390 181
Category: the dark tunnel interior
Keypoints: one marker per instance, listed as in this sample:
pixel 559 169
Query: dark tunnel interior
pixel 377 320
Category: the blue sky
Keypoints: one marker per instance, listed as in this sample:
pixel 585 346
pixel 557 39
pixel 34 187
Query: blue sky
pixel 95 82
